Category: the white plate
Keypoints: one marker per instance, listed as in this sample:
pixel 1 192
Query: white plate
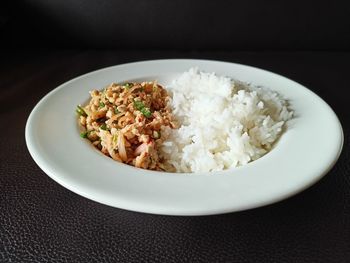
pixel 305 152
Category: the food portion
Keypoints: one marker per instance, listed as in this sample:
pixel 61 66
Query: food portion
pixel 224 123
pixel 201 123
pixel 126 121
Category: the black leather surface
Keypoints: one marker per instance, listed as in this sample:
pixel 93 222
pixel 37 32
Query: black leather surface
pixel 40 221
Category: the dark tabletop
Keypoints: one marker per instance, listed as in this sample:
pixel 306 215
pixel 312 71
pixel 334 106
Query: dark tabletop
pixel 40 221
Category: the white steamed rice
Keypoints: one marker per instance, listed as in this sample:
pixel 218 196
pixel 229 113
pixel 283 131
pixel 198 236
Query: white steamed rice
pixel 223 123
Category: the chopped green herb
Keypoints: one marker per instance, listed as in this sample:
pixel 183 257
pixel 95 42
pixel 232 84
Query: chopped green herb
pixel 102 104
pixel 84 135
pixel 128 85
pixel 146 112
pixel 155 87
pixel 141 107
pixel 80 111
pixel 103 126
pixel 116 111
pixel 115 138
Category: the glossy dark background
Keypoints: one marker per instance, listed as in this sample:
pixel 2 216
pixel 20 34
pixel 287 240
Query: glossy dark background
pixel 45 43
pixel 179 24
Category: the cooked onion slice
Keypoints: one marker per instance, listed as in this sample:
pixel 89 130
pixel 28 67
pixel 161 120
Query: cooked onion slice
pixel 121 147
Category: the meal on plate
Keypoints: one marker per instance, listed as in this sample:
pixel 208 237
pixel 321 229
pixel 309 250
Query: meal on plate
pixel 125 122
pixel 202 122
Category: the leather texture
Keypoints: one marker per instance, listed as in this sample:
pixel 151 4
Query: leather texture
pixel 179 24
pixel 40 221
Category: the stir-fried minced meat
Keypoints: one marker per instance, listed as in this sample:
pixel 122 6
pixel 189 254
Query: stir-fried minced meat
pixel 125 122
